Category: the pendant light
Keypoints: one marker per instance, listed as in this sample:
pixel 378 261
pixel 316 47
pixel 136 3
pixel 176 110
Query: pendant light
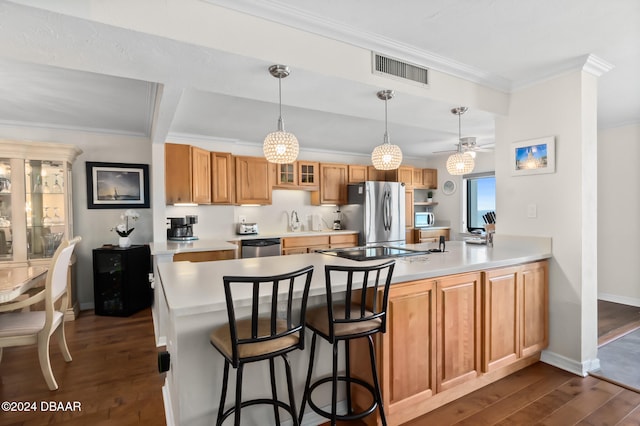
pixel 460 163
pixel 386 156
pixel 280 147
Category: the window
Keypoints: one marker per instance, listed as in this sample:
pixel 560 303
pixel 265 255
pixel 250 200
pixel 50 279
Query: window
pixel 480 199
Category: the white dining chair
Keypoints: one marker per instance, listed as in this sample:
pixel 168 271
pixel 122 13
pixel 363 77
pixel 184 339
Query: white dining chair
pixel 35 327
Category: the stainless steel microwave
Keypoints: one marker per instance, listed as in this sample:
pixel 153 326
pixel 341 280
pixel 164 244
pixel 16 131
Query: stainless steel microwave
pixel 423 219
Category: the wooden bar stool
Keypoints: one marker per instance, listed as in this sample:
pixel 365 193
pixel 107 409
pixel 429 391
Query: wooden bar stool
pixel 366 298
pixel 276 326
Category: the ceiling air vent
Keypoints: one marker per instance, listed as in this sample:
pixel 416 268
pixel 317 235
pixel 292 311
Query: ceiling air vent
pixel 388 66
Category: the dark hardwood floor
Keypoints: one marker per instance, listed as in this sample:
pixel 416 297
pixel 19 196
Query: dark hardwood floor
pixel 616 320
pixel 114 376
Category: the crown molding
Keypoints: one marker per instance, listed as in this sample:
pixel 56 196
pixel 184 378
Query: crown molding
pixel 299 19
pixel 596 66
pixel 82 129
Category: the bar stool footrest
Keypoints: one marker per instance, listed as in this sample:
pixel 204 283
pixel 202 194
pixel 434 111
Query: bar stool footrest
pixel 259 401
pixel 344 417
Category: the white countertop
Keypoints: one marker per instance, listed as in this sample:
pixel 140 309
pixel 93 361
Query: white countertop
pixel 192 288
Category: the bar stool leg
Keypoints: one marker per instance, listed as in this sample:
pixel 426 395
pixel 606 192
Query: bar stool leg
pixel 292 400
pixel 348 375
pixel 305 395
pixel 334 385
pixel 238 394
pixel 223 395
pixel 376 384
pixel 274 392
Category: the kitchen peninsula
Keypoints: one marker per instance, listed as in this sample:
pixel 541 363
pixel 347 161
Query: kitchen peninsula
pixel 486 305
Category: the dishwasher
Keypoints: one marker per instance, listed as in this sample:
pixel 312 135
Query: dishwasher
pixel 261 247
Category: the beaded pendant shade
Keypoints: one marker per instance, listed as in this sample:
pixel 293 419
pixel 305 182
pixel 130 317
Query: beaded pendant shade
pixel 460 163
pixel 280 147
pixel 386 156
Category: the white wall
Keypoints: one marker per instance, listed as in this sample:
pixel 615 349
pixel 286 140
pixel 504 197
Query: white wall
pixel 564 107
pixel 93 225
pixel 618 207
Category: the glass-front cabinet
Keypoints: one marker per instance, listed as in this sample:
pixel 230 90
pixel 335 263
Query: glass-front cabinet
pixel 35 202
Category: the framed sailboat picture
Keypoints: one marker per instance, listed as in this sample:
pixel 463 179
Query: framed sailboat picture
pixel 534 156
pixel 117 185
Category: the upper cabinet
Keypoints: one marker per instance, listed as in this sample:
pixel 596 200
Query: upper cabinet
pixel 333 185
pixel 357 173
pixel 187 174
pixel 223 188
pixel 375 174
pixel 430 178
pixel 297 175
pixel 254 180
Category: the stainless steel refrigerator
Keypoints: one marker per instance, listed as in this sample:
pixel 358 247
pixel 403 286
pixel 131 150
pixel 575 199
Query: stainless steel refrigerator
pixel 376 210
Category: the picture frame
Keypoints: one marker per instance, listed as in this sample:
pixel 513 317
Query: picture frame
pixel 117 185
pixel 533 156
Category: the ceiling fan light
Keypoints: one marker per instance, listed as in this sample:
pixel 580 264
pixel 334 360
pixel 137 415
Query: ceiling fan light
pixel 280 147
pixel 460 164
pixel 386 157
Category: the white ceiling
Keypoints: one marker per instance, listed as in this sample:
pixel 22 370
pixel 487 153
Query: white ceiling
pixel 58 70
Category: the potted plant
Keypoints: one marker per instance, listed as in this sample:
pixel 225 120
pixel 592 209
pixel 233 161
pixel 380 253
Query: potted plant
pixel 429 196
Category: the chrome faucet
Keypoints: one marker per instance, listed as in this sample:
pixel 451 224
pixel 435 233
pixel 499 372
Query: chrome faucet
pixel 295 221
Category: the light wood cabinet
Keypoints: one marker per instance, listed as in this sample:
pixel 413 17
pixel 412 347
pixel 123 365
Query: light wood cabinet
pixel 254 180
pixel 430 235
pixel 205 256
pixel 458 330
pixel 402 174
pixel 286 174
pixel 409 376
pixel 418 178
pixel 408 208
pixel 515 313
pixel 308 173
pixel 357 173
pixel 187 174
pixel 375 174
pixel 430 178
pixel 222 178
pixel 333 185
pixel 309 244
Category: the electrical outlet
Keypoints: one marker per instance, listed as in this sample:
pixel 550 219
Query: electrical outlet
pixel 242 219
pixel 532 211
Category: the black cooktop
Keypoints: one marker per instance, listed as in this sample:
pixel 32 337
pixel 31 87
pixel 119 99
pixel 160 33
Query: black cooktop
pixel 372 252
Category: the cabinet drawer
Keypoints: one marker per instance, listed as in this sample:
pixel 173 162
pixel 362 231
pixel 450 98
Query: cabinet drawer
pixel 305 241
pixel 344 239
pixel 204 256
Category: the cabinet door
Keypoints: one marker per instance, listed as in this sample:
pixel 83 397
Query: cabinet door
pixel 333 184
pixel 430 178
pixel 408 373
pixel 458 332
pixel 177 172
pixel 357 173
pixel 201 175
pixel 418 178
pixel 287 174
pixel 405 175
pixel 534 332
pixel 375 174
pixel 408 208
pixel 308 173
pixel 501 318
pixel 222 178
pixel 253 180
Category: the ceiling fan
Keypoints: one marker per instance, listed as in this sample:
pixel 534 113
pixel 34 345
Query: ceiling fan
pixel 468 143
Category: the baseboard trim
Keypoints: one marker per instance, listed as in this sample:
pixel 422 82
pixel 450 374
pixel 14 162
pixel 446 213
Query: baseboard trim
pixel 572 366
pixel 624 300
pixel 166 399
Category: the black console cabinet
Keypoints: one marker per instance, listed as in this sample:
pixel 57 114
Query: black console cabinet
pixel 121 280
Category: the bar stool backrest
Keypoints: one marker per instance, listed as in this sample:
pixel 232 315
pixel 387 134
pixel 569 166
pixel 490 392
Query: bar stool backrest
pixel 277 306
pixel 367 292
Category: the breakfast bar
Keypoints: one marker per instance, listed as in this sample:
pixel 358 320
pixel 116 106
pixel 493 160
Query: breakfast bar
pixel 445 298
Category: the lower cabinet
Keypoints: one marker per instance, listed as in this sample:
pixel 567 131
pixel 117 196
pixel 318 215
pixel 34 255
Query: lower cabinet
pixel 515 313
pixel 450 335
pixel 310 244
pixel 430 235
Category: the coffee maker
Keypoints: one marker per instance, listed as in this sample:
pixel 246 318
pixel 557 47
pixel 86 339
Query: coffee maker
pixel 181 228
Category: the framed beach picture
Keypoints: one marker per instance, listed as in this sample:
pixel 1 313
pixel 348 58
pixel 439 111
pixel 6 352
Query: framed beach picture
pixel 117 185
pixel 534 156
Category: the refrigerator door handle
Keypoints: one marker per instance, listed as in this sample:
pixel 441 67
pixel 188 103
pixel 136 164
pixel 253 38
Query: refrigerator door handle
pixel 387 211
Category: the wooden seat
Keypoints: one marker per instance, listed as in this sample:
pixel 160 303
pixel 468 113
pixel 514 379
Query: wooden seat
pixel 36 327
pixel 366 296
pixel 275 326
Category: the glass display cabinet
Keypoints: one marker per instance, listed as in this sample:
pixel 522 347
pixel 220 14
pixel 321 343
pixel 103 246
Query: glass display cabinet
pixel 35 204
